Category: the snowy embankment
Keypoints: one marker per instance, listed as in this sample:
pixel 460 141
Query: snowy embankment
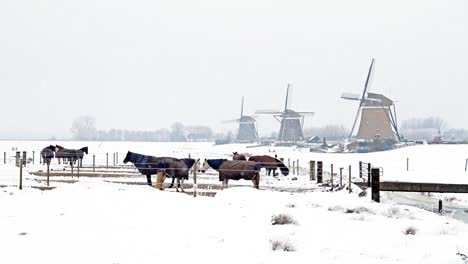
pixel 96 221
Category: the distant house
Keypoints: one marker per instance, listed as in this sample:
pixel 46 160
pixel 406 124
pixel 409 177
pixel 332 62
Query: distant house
pixel 199 134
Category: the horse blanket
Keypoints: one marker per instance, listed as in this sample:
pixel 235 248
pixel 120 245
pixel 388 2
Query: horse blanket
pixel 239 169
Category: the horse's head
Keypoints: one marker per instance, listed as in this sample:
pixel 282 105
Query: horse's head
pixel 51 147
pixel 127 157
pixel 85 150
pixel 205 165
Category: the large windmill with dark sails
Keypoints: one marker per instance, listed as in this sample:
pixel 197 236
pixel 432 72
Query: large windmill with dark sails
pixel 291 122
pixel 377 114
pixel 247 130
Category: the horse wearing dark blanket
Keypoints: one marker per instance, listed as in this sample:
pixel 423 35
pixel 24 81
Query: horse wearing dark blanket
pixel 70 155
pixel 161 166
pixel 234 170
pixel 47 154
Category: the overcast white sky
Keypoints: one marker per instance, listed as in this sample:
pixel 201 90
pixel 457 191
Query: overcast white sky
pixel 147 64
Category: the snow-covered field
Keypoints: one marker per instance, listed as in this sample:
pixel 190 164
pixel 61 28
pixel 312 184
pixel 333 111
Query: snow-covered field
pixel 94 220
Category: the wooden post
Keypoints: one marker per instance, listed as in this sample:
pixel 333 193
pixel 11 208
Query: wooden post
pixel 466 163
pixel 407 164
pixel 368 174
pixel 312 170
pixel 294 167
pixel 360 169
pixel 21 174
pixel 48 171
pixel 17 158
pixel 440 207
pixel 107 160
pixel 376 185
pixel 319 171
pixel 33 157
pixel 331 169
pixel 297 166
pixel 341 178
pixel 195 181
pixel 24 158
pixel 349 181
pixel 71 165
pixel 40 159
pixel 116 158
pixel 4 159
pixel 289 163
pixel 78 169
pixel 94 163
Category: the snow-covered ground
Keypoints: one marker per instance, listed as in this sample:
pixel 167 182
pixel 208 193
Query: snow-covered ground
pixel 97 221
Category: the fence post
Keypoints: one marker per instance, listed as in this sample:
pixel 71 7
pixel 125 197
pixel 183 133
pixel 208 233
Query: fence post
pixel 94 163
pixel 40 159
pixel 33 157
pixel 297 166
pixel 195 181
pixel 294 167
pixel 107 160
pixel 440 207
pixel 4 159
pixel 376 185
pixel 349 181
pixel 24 158
pixel 407 164
pixel 466 163
pixel 331 176
pixel 312 170
pixel 341 178
pixel 21 174
pixel 319 171
pixel 17 158
pixel 48 172
pixel 289 163
pixel 71 165
pixel 117 158
pixel 360 169
pixel 78 169
pixel 368 175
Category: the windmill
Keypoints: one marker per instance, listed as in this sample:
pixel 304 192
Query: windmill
pixel 378 113
pixel 247 130
pixel 292 122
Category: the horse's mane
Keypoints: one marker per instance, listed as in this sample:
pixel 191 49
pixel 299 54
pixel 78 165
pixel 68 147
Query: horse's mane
pixel 59 147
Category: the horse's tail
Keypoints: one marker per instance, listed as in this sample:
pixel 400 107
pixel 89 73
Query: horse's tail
pixel 283 168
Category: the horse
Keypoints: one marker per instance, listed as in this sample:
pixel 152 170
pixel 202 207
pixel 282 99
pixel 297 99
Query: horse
pixel 234 170
pixel 238 156
pixel 70 155
pixel 161 166
pixel 190 163
pixel 270 164
pixel 62 153
pixel 47 154
pixel 80 155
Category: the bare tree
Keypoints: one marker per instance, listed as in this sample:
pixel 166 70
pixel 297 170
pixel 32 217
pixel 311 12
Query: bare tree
pixel 84 128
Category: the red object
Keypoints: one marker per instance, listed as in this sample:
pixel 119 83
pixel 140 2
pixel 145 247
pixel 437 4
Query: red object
pixel 437 140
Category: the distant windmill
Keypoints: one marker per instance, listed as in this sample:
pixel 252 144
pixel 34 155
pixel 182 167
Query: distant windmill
pixel 292 122
pixel 247 130
pixel 378 118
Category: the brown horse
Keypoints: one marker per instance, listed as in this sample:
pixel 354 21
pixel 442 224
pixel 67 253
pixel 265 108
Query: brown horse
pixel 270 164
pixel 238 156
pixel 234 170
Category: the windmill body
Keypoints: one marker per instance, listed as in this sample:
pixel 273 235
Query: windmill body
pixel 247 131
pixel 291 122
pixel 376 113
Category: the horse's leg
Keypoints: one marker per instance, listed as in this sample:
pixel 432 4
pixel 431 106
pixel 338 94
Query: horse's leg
pixel 256 181
pixel 172 183
pixel 148 179
pixel 180 185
